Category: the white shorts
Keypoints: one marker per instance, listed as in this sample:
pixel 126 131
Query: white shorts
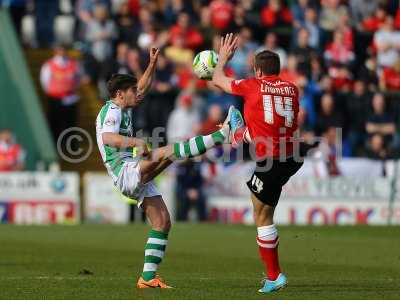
pixel 128 183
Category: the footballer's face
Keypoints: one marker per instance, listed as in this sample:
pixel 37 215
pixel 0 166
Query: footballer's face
pixel 129 97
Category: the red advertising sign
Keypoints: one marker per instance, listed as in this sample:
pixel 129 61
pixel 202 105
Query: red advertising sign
pixel 41 212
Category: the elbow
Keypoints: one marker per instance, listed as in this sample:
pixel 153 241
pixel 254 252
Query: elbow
pixel 107 138
pixel 104 138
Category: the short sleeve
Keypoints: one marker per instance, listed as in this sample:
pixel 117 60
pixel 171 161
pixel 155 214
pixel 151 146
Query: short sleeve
pixel 240 87
pixel 112 120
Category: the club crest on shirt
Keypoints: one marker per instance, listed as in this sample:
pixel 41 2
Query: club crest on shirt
pixel 110 121
pixel 238 81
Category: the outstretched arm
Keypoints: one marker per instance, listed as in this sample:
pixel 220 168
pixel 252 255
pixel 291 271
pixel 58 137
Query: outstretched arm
pixel 119 141
pixel 146 79
pixel 226 50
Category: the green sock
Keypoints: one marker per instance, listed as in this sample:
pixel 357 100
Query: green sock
pixel 154 253
pixel 200 144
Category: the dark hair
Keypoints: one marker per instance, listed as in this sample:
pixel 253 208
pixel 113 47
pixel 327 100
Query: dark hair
pixel 268 62
pixel 120 82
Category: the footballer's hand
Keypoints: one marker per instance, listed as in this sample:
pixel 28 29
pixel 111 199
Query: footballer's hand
pixel 142 149
pixel 227 47
pixel 154 52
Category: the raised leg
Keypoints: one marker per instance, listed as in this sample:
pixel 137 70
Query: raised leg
pixel 160 158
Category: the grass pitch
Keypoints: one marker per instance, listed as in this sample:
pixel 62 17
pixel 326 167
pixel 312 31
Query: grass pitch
pixel 202 262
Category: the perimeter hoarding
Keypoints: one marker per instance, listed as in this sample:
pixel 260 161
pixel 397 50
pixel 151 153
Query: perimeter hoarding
pixel 307 201
pixel 39 198
pixel 349 199
pixel 104 204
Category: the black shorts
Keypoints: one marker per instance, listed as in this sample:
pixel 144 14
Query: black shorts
pixel 269 177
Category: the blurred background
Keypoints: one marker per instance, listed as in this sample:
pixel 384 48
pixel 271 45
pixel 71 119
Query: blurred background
pixel 56 57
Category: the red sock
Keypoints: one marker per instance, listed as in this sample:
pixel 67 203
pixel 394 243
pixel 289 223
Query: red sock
pixel 268 248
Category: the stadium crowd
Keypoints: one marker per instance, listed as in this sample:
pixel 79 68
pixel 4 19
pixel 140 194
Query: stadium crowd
pixel 343 55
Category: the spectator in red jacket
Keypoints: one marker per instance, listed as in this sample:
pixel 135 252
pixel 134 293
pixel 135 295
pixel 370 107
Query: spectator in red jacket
pixel 390 78
pixel 221 12
pixel 342 78
pixel 134 7
pixel 397 19
pixel 182 29
pixel 337 52
pixel 361 10
pixel 12 156
pixel 376 21
pixel 275 14
pixel 345 28
pixel 290 73
pixel 60 77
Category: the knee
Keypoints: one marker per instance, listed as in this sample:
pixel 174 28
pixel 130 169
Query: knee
pixel 263 217
pixel 166 226
pixel 157 213
pixel 163 223
pixel 259 219
pixel 166 220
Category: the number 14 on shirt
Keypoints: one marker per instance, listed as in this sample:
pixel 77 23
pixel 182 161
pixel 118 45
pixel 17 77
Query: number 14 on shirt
pixel 283 107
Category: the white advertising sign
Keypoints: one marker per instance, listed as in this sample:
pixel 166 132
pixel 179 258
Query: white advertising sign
pixel 39 198
pixel 103 203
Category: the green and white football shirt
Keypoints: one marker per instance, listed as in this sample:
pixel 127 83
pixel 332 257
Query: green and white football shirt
pixel 112 118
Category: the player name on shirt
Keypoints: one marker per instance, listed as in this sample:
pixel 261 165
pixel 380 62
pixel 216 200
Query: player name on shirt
pixel 273 88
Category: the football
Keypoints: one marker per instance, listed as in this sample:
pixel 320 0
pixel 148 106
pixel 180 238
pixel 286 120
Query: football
pixel 204 64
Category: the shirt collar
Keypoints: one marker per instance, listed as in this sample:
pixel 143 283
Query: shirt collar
pixel 270 77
